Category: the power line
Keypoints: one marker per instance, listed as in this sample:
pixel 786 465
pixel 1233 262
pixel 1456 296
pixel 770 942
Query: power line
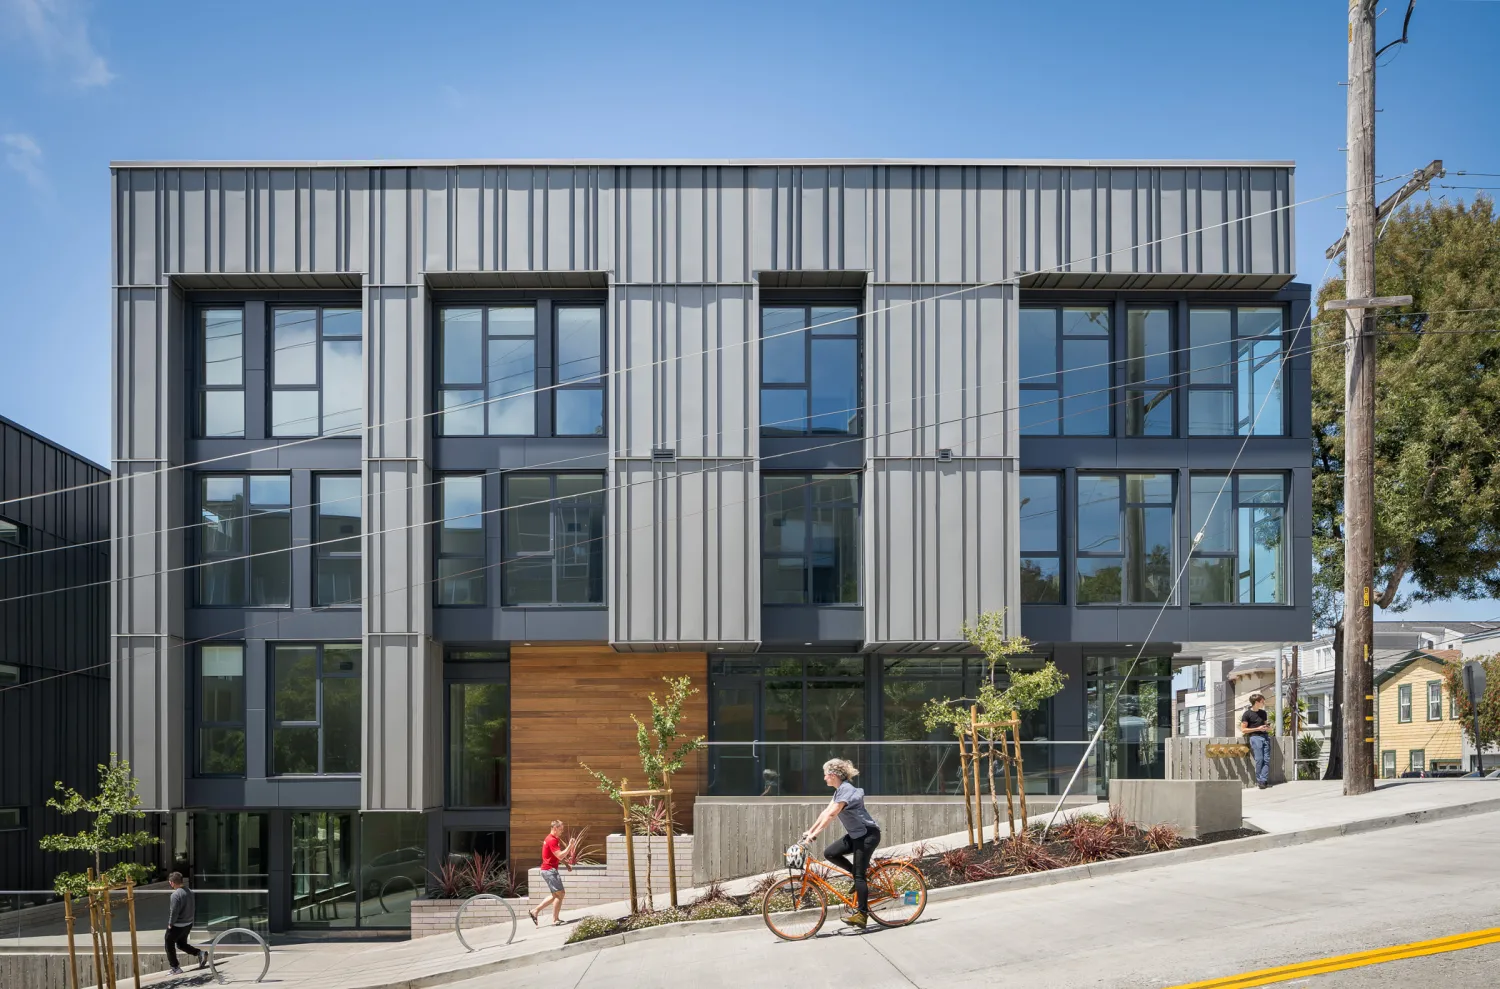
pixel 749 340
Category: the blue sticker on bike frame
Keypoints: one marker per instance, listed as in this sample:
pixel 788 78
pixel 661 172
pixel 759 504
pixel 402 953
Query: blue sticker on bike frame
pixel 911 897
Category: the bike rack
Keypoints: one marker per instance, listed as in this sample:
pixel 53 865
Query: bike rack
pixel 385 888
pixel 459 916
pixel 266 948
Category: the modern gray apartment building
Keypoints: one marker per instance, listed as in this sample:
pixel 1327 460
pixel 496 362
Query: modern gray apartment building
pixel 54 645
pixel 430 470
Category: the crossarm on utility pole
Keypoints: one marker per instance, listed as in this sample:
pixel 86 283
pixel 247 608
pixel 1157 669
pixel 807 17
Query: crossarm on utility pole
pixel 1387 206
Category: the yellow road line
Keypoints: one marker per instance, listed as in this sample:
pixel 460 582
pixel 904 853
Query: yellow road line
pixel 1338 963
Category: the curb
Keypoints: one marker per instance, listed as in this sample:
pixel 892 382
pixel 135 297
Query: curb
pixel 1074 873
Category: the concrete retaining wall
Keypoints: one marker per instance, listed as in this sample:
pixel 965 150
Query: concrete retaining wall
pixel 49 969
pixel 1188 759
pixel 742 836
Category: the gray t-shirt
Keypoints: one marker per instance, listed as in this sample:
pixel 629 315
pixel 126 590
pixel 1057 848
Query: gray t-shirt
pixel 855 819
pixel 180 912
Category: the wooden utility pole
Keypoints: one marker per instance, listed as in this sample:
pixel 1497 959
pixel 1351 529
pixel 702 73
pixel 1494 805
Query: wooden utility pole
pixel 1359 408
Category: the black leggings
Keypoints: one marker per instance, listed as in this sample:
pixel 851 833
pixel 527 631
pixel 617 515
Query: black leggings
pixel 861 848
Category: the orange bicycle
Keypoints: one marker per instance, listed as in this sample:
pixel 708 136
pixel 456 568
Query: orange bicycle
pixel 796 905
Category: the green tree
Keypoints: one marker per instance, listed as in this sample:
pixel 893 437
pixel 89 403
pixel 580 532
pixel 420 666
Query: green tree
pixel 117 800
pixel 662 753
pixel 1023 690
pixel 1437 405
pixel 1489 702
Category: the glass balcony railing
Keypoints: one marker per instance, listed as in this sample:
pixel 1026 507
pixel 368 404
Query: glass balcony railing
pixel 37 917
pixel 795 769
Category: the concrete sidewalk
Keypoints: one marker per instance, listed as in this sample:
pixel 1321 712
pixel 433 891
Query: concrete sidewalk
pixel 1291 808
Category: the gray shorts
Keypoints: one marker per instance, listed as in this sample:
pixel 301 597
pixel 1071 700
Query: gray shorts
pixel 553 880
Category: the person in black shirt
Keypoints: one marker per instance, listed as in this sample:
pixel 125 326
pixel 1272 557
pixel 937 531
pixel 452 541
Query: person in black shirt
pixel 1255 726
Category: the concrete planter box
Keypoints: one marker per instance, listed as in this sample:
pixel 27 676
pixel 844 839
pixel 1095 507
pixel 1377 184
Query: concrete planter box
pixel 591 885
pixel 1193 807
pixel 430 917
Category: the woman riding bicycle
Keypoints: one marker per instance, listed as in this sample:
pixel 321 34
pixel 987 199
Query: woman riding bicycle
pixel 862 834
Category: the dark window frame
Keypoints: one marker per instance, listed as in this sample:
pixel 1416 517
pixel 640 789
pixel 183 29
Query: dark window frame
pixel 18 821
pixel 1235 368
pixel 1058 388
pixel 325 550
pixel 1159 389
pixel 1236 504
pixel 1123 555
pixel 1056 553
pixel 273 387
pixel 555 504
pixel 440 517
pixel 487 403
pixel 321 675
pixel 590 383
pixel 18 670
pixel 1403 699
pixel 809 478
pixel 457 672
pixel 200 352
pixel 202 558
pixel 203 722
pixel 13 533
pixel 856 334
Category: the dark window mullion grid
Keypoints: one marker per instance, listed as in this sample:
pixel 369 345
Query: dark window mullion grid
pixel 1197 347
pixel 1229 503
pixel 200 708
pixel 1152 389
pixel 478 562
pixel 200 351
pixel 1117 555
pixel 316 429
pixel 1097 398
pixel 596 382
pixel 1056 552
pixel 473 384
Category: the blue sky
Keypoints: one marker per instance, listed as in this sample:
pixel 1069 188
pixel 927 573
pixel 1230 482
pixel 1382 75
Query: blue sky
pixel 84 83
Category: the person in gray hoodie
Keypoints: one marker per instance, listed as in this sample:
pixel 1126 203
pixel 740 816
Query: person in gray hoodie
pixel 180 924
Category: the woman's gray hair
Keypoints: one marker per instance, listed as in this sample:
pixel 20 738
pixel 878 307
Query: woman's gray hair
pixel 842 768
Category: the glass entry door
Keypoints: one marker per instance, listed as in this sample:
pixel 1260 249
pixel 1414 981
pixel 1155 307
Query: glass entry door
pixel 323 889
pixel 735 767
pixel 1137 714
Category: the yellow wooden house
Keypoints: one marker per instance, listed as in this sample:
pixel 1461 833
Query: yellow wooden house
pixel 1417 726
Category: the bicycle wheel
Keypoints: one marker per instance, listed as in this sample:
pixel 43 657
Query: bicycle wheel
pixel 794 908
pixel 898 893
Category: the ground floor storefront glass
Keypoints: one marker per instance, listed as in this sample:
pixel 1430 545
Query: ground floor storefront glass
pixel 356 870
pixel 1133 699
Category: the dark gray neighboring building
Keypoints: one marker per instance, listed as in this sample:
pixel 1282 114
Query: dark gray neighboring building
pixel 54 647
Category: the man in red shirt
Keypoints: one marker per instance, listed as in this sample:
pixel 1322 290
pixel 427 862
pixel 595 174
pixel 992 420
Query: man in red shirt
pixel 551 848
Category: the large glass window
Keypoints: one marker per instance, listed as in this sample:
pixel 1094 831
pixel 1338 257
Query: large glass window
pixel 1041 539
pixel 1065 371
pixel 460 542
pixel 1241 557
pixel 317 372
pixel 810 539
pixel 315 727
pixel 1125 538
pixel 392 867
pixel 809 371
pixel 221 710
pixel 221 340
pixel 554 539
pixel 337 525
pixel 478 744
pixel 1134 702
pixel 578 400
pixel 1234 372
pixel 244 541
pixel 1148 372
pixel 488 371
pixel 230 852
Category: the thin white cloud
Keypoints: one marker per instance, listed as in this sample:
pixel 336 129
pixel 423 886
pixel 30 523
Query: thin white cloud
pixel 24 156
pixel 59 32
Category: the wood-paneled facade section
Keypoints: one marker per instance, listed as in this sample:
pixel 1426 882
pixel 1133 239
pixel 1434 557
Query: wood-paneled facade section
pixel 572 704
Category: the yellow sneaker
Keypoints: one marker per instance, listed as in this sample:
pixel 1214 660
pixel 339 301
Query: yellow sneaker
pixel 857 920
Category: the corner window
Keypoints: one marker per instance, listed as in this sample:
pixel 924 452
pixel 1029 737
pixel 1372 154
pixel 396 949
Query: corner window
pixel 809 371
pixel 12 533
pixel 1388 764
pixel 221 710
pixel 554 539
pixel 1434 700
pixel 1125 538
pixel 1241 557
pixel 1065 371
pixel 488 372
pixel 1148 372
pixel 1403 703
pixel 221 342
pixel 810 539
pixel 578 400
pixel 336 528
pixel 460 541
pixel 1234 373
pixel 317 372
pixel 315 727
pixel 1041 539
pixel 244 541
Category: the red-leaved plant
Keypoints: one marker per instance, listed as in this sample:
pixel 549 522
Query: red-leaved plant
pixel 1162 837
pixel 1024 854
pixel 575 852
pixel 1096 841
pixel 957 861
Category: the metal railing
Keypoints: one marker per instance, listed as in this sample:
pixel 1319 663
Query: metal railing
pixel 36 917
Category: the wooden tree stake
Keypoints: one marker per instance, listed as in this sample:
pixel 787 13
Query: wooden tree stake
pixel 629 847
pixel 671 855
pixel 72 947
pixel 963 776
pixel 978 797
pixel 1020 770
pixel 135 951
